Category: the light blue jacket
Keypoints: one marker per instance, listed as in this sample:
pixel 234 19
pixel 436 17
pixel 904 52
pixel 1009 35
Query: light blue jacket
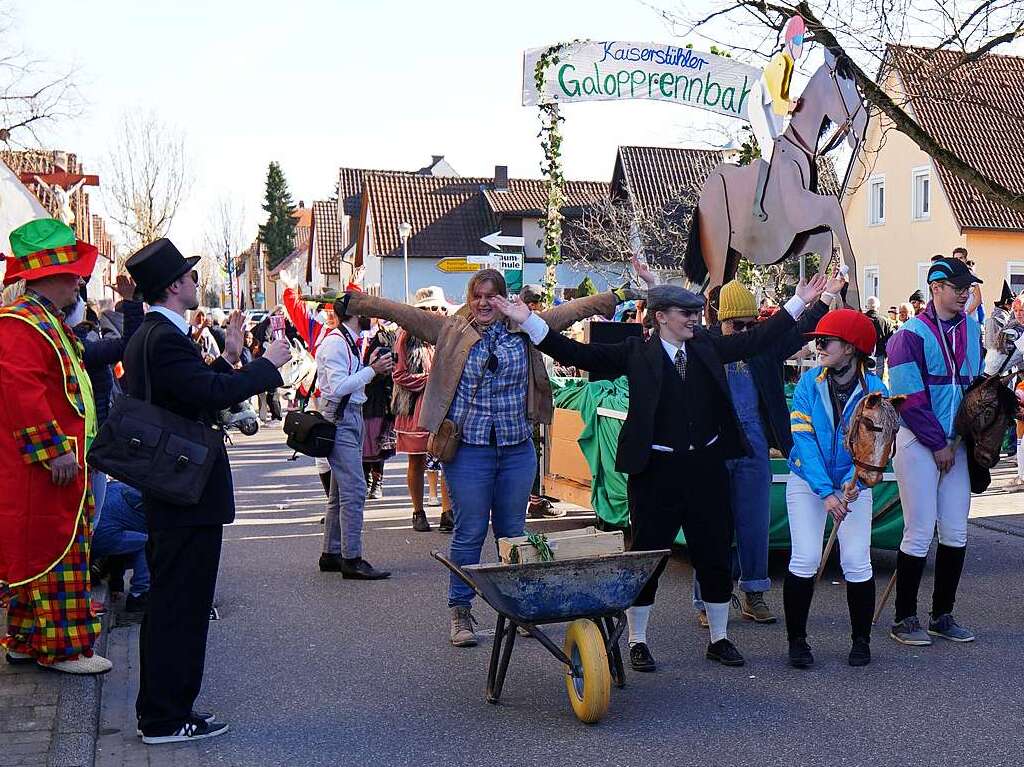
pixel 819 454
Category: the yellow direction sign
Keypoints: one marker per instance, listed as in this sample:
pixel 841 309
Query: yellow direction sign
pixel 456 265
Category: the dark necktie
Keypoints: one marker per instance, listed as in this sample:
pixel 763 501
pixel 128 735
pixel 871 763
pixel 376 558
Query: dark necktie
pixel 681 364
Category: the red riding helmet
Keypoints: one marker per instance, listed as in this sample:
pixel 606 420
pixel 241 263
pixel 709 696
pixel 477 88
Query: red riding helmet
pixel 848 325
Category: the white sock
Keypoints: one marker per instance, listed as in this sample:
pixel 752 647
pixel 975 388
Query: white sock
pixel 637 618
pixel 718 619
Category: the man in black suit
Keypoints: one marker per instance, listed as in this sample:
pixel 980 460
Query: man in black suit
pixel 680 429
pixel 184 541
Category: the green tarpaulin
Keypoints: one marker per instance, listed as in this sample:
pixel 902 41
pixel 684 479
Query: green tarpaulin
pixel 599 442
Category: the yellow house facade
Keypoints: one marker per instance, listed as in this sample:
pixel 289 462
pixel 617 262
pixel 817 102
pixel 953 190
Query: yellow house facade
pixel 902 207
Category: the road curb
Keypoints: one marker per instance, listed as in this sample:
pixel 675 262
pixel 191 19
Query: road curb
pixel 77 721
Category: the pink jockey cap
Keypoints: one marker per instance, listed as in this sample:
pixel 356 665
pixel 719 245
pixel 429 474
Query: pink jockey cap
pixel 795 27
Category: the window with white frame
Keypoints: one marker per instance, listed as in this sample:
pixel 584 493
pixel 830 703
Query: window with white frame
pixel 921 194
pixel 922 276
pixel 876 200
pixel 1015 276
pixel 872 281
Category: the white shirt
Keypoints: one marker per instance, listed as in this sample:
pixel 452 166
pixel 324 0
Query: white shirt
pixel 177 319
pixel 340 372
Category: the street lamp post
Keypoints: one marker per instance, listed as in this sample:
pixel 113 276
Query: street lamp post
pixel 404 230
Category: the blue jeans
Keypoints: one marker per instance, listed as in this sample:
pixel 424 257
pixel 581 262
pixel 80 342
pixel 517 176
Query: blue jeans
pixel 488 484
pixel 750 482
pixel 122 531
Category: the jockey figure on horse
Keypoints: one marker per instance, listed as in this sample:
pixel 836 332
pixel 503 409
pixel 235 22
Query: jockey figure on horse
pixel 797 218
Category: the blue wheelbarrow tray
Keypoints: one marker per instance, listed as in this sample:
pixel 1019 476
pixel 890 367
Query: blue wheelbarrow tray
pixel 598 588
pixel 561 591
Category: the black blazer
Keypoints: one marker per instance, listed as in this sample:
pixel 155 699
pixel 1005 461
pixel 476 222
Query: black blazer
pixel 642 363
pixel 182 383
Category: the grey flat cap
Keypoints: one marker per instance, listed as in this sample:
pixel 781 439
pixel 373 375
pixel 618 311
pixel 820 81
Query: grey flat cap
pixel 665 296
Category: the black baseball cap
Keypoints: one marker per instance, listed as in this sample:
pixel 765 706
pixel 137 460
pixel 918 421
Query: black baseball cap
pixel 953 271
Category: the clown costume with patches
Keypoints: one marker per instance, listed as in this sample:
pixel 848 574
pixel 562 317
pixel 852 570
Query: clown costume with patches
pixel 48 420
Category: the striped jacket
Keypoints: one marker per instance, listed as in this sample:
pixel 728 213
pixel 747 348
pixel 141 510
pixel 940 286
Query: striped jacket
pixel 920 368
pixel 819 455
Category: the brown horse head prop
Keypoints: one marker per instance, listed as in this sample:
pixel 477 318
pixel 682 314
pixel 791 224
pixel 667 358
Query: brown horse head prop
pixel 986 412
pixel 871 436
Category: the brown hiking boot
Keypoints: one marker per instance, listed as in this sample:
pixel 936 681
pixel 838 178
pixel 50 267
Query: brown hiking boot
pixel 462 627
pixel 753 608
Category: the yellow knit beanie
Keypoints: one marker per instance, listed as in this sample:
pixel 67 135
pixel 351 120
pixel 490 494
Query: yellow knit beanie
pixel 734 300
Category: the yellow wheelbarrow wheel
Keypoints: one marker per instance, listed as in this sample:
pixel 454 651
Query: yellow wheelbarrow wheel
pixel 588 680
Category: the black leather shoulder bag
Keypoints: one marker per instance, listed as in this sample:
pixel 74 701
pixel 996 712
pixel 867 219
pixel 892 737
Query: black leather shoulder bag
pixel 154 450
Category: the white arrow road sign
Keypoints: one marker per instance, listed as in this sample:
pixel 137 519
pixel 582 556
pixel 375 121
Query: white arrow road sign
pixel 498 240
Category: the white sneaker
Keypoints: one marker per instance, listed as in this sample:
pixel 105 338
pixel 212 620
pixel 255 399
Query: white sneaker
pixel 18 658
pixel 97 664
pixel 191 730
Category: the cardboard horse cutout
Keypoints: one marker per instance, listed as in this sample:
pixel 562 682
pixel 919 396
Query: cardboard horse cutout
pixel 797 219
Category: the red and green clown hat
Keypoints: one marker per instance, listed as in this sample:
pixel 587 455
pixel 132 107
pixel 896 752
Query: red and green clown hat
pixel 45 247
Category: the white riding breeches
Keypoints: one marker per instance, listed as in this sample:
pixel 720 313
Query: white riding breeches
pixel 929 499
pixel 807 517
pixel 766 125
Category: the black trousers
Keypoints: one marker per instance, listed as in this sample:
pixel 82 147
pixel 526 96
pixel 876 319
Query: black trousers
pixel 690 491
pixel 183 566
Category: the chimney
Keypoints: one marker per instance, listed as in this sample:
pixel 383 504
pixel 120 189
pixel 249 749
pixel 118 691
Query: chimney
pixel 500 178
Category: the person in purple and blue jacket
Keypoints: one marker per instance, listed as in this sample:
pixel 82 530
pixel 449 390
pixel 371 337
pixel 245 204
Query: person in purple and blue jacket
pixel 933 358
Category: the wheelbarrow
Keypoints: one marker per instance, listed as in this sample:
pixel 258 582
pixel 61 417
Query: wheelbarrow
pixel 591 594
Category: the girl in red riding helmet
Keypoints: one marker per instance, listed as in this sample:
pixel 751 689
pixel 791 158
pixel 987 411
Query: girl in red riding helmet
pixel 820 466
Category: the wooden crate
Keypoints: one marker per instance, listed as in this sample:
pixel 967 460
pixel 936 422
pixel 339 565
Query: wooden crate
pixel 566 459
pixel 567 544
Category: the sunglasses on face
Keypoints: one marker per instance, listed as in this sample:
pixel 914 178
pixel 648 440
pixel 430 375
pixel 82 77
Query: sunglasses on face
pixel 740 325
pixel 822 343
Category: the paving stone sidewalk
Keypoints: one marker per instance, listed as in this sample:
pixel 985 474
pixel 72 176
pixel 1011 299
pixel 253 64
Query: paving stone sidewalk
pixel 48 719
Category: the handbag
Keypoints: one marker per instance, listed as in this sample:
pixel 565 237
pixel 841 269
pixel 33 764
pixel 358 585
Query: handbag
pixel 148 447
pixel 308 431
pixel 444 443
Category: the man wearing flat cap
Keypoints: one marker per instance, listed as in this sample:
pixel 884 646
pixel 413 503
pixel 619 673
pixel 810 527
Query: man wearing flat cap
pixel 184 541
pixel 680 429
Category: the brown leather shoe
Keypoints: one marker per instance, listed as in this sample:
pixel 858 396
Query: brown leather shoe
pixel 462 634
pixel 754 608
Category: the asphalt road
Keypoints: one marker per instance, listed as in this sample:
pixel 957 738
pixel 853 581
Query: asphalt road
pixel 310 669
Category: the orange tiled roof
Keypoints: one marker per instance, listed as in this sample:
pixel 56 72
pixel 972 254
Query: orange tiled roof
pixel 976 110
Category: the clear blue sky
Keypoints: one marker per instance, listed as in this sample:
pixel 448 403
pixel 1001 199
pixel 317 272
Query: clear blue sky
pixel 316 84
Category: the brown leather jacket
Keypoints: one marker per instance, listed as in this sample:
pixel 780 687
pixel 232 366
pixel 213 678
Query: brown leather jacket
pixel 453 337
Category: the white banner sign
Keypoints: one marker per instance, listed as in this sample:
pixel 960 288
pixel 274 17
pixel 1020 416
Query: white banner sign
pixel 601 71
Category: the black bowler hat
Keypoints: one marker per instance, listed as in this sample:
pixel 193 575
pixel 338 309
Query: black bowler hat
pixel 157 265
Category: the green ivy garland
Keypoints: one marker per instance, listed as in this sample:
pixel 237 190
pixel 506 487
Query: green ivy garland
pixel 551 143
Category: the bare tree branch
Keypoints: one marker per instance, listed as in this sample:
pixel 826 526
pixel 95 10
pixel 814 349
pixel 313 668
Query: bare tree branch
pixel 862 32
pixel 146 178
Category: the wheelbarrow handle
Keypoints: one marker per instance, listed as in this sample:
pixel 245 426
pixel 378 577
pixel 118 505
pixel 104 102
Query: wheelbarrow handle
pixel 462 574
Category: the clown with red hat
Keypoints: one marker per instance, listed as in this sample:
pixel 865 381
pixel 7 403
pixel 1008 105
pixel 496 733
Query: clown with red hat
pixel 822 484
pixel 48 420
